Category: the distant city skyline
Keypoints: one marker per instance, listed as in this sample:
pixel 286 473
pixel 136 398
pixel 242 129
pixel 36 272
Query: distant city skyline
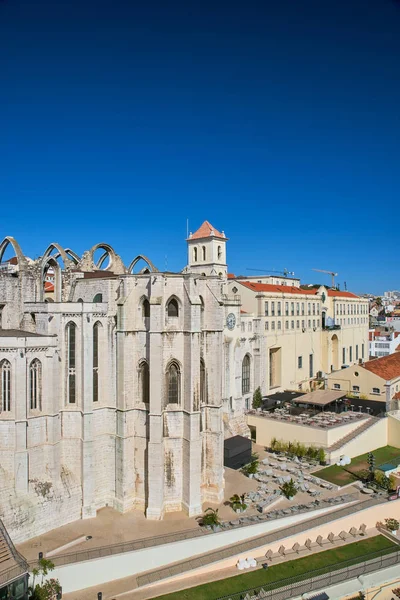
pixel 277 122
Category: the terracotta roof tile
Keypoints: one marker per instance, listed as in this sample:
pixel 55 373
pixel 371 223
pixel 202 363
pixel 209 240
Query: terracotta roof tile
pixel 341 294
pixel 280 289
pixel 231 276
pixel 387 367
pixel 206 230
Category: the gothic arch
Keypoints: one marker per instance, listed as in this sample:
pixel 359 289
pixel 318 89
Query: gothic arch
pixel 171 304
pixel 146 260
pixel 73 256
pixel 47 262
pixel 22 262
pixel 60 252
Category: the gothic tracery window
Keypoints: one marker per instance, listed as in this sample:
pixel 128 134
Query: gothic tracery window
pixel 5 386
pixel 173 383
pixel 35 385
pixel 146 308
pixel 71 362
pixel 144 379
pixel 173 308
pixel 96 330
pixel 246 375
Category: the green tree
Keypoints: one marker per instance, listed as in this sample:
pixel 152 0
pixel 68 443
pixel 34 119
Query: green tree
pixel 46 590
pixel 378 301
pixel 288 489
pixel 257 398
pixel 211 518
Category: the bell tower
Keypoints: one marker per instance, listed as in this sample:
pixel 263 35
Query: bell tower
pixel 207 251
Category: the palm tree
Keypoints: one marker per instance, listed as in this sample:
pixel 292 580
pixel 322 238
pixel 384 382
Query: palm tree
pixel 211 518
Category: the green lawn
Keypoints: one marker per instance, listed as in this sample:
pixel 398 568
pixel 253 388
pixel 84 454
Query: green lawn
pixel 328 560
pixel 342 476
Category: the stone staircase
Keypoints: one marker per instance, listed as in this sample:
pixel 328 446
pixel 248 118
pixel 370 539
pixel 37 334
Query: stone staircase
pixel 366 424
pixel 235 426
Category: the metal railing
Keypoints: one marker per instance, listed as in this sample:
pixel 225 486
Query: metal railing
pixel 251 544
pixel 320 580
pixel 130 546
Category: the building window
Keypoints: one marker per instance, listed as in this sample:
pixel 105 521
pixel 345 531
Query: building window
pixel 273 325
pixel 313 308
pixel 292 309
pixel 5 389
pixel 194 254
pixel 300 362
pixel 336 386
pixel 243 325
pixel 71 363
pixel 272 309
pixel 249 326
pixel 376 391
pixel 297 309
pixel 313 323
pixel 362 350
pixel 98 298
pixel 317 322
pixel 279 309
pixel 204 253
pixel 287 309
pixel 309 308
pixel 318 309
pixel 266 309
pixel 344 356
pixel 297 324
pixel 203 388
pixel 173 383
pixel 246 375
pixel 311 372
pixel 266 325
pixel 302 309
pixel 146 308
pixel 96 362
pixel 234 290
pixel 356 388
pixel 219 253
pixel 351 353
pixel 144 381
pixel 309 323
pixel 303 324
pixel 173 309
pixel 279 325
pixel 35 385
pixel 292 324
pixel 286 324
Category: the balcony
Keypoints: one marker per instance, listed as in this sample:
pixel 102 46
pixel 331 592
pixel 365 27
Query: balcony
pixel 331 327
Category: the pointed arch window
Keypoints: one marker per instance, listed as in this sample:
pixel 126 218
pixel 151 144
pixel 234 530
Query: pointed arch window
pixel 71 362
pixel 144 381
pixel 5 386
pixel 173 383
pixel 98 298
pixel 35 385
pixel 96 331
pixel 194 254
pixel 246 375
pixel 173 308
pixel 203 388
pixel 145 309
pixel 219 253
pixel 204 252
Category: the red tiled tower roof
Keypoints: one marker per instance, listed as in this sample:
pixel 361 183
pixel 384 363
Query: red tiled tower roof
pixel 206 230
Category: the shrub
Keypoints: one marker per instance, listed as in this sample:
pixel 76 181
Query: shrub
pixel 211 518
pixel 288 489
pixel 257 398
pixel 392 524
pixel 321 455
pixel 237 502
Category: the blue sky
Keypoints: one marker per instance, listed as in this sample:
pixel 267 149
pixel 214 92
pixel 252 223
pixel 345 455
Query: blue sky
pixel 278 121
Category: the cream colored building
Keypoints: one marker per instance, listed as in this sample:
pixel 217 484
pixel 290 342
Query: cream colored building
pixel 303 332
pixel 377 380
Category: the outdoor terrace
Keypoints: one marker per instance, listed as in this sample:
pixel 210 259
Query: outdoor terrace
pixel 311 418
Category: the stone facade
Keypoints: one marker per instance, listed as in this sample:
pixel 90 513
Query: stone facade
pixel 111 391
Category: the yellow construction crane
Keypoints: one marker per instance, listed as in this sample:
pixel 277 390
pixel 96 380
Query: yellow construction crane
pixel 331 273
